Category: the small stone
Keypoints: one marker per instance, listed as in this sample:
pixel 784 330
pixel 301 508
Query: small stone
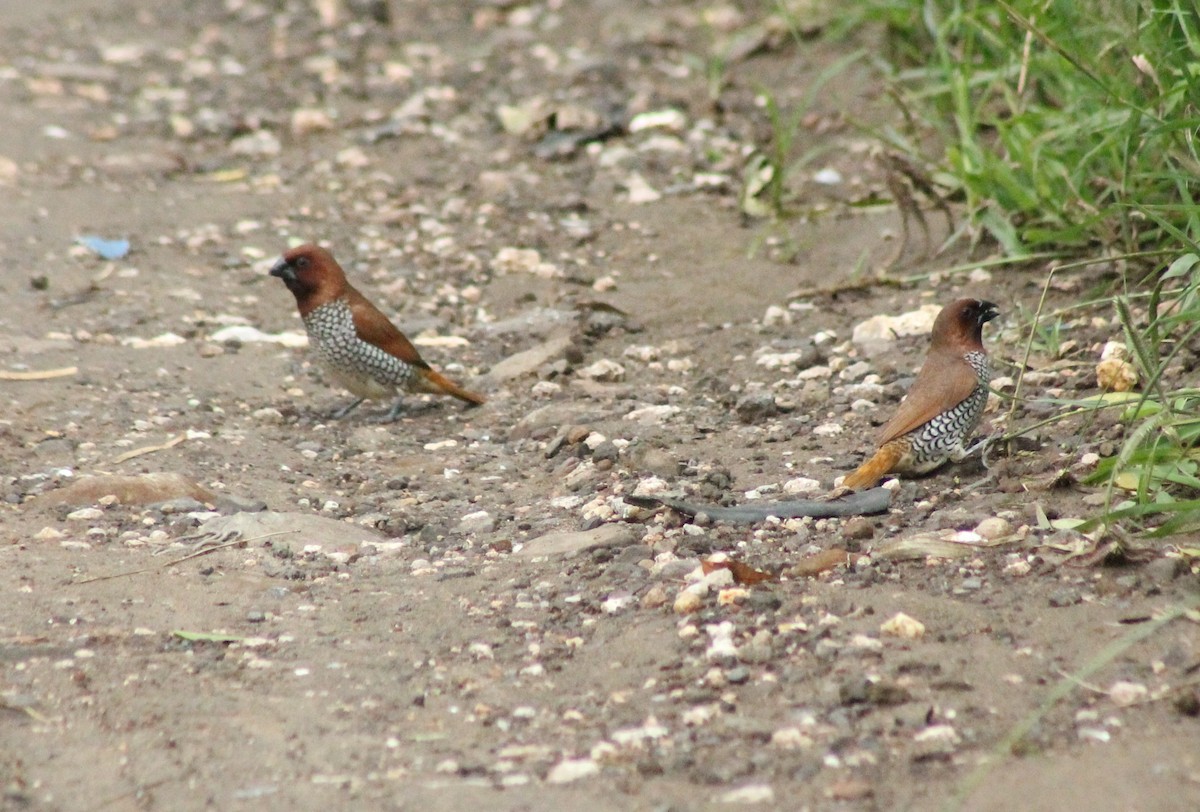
pixel 1063 597
pixel 993 528
pixel 1123 694
pixel 802 485
pixel 85 515
pixel 1116 375
pixel 755 407
pixel 935 741
pixel 687 602
pixel 257 144
pixel 738 675
pixel 306 121
pixel 655 597
pixel 750 794
pixel 604 370
pixel 255 616
pixel 572 770
pixel 902 626
pixel 858 528
pixel 268 414
pixel 478 522
pixel 879 332
pixel 849 789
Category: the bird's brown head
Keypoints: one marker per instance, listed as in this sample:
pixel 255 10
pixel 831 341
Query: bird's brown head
pixel 312 275
pixel 960 324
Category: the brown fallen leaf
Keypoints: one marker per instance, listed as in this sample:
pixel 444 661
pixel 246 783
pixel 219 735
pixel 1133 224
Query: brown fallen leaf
pixel 742 573
pixel 37 375
pixel 823 561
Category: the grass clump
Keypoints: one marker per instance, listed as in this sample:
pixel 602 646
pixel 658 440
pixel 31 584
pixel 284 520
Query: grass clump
pixel 1063 125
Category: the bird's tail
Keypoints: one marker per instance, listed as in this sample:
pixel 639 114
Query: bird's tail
pixel 882 462
pixel 436 383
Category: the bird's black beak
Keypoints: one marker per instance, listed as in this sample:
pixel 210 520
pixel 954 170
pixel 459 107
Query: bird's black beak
pixel 284 270
pixel 987 311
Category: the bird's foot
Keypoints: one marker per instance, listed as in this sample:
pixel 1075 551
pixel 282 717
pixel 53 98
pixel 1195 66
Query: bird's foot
pixel 835 494
pixel 402 409
pixel 338 414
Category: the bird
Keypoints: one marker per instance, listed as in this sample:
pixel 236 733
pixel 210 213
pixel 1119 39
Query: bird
pixel 356 343
pixel 944 404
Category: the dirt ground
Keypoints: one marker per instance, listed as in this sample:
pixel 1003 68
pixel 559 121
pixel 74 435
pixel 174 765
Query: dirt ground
pixel 547 196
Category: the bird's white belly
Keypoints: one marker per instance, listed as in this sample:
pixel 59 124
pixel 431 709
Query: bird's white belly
pixel 360 385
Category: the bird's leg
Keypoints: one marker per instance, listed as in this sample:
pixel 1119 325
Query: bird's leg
pixel 394 413
pixel 345 410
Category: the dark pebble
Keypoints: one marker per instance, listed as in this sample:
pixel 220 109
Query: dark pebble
pixel 858 528
pixel 1063 597
pixel 756 407
pixel 763 600
pixel 606 451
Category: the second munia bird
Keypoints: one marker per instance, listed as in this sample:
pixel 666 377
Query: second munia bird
pixel 945 403
pixel 360 348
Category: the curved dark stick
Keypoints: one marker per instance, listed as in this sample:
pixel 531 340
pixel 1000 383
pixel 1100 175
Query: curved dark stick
pixel 859 503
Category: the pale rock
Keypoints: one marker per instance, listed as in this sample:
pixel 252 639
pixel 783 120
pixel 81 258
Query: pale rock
pixel 642 352
pixel 479 521
pixel 571 770
pixel 791 738
pixel 669 119
pixel 640 191
pixel 878 332
pixel 1116 375
pixel 523 260
pixel 720 642
pixel 653 414
pixel 801 485
pixel 1123 694
pixel 159 341
pixel 260 144
pixel 993 528
pixel 85 515
pixel 604 370
pixel 776 316
pixel 306 121
pixel 902 626
pixel 268 414
pixel 733 595
pixel 749 794
pixel 687 602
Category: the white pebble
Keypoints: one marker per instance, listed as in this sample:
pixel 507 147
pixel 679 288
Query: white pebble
pixel 902 626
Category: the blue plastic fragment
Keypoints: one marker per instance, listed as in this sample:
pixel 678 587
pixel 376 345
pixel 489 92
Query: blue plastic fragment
pixel 106 249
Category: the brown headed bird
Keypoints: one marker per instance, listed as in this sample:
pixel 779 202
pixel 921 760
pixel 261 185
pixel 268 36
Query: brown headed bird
pixel 357 345
pixel 945 403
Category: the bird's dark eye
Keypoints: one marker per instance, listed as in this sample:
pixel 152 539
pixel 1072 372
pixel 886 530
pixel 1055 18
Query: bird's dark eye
pixel 301 262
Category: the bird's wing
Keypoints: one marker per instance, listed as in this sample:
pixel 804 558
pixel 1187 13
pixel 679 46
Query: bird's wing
pixel 375 328
pixel 938 387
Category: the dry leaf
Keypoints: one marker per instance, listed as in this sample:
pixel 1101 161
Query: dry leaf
pixel 823 561
pixel 742 573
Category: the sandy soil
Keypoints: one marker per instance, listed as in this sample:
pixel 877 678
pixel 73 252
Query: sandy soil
pixel 398 630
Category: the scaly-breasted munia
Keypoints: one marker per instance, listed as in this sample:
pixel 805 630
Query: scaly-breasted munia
pixel 945 403
pixel 354 341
